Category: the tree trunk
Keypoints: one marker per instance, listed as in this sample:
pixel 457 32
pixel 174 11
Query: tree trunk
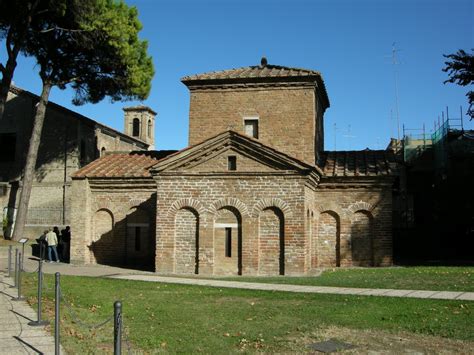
pixel 29 173
pixel 13 48
pixel 7 76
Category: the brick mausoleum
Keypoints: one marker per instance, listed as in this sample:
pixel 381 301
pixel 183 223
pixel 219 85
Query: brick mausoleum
pixel 254 193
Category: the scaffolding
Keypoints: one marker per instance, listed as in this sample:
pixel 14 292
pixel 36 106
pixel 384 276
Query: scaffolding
pixel 416 141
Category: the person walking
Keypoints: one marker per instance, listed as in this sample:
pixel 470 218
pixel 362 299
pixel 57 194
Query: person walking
pixel 52 241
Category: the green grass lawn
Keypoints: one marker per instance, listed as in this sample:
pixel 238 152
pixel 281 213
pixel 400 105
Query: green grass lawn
pixel 442 278
pixel 189 319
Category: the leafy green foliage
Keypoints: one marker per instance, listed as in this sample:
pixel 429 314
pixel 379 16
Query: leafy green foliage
pixel 93 46
pixel 460 69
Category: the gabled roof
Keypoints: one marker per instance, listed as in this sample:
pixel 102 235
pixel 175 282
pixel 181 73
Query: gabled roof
pixel 242 144
pixel 129 164
pixel 78 116
pixel 358 163
pixel 263 73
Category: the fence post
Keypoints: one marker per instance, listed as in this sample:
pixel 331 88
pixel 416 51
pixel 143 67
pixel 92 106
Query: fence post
pixel 117 328
pixel 10 261
pixel 22 257
pixel 42 251
pixel 39 322
pixel 15 276
pixel 19 298
pixel 56 312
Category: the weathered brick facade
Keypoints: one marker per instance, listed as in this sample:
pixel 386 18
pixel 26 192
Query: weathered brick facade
pixel 114 222
pixel 271 204
pixel 286 116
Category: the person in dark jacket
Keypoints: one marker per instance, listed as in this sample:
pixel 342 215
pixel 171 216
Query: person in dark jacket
pixel 65 241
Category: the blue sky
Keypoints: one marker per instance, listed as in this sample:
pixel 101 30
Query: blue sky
pixel 349 42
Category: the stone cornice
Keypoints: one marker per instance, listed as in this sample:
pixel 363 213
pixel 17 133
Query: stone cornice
pixel 121 183
pixel 248 85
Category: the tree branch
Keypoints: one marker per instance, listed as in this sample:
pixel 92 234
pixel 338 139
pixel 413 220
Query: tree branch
pixel 61 29
pixel 9 42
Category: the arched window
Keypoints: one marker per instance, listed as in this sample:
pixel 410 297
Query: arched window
pixel 102 152
pixel 149 129
pixel 136 127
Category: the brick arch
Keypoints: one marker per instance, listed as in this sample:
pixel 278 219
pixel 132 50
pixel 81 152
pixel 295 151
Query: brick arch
pixel 331 207
pixel 102 236
pixel 142 203
pixel 328 242
pixel 271 241
pixel 272 202
pixel 232 202
pixel 361 206
pixel 188 203
pixel 107 205
pixel 186 240
pixel 135 203
pixel 108 210
pixel 362 238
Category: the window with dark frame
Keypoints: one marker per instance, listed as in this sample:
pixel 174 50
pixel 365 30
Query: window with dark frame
pixel 251 127
pixel 231 163
pixel 137 239
pixel 228 242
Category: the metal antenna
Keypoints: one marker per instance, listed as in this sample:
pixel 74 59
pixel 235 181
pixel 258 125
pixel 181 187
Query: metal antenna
pixel 395 74
pixel 391 125
pixel 349 135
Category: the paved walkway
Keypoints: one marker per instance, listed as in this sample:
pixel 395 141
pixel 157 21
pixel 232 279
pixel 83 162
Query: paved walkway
pixel 128 274
pixel 443 295
pixel 16 336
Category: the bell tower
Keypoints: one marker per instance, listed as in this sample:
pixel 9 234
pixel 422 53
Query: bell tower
pixel 140 123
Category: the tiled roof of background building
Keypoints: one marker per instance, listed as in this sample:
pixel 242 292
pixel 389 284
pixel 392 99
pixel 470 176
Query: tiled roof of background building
pixel 133 164
pixel 358 163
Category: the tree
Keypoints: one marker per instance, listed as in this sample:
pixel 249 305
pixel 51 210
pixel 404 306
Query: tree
pixel 16 18
pixel 93 47
pixel 460 69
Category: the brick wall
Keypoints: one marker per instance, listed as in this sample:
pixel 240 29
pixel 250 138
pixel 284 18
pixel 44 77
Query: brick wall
pixel 235 202
pixel 287 117
pixel 353 225
pixel 104 221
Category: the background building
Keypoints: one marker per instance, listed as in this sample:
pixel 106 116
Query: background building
pixel 69 141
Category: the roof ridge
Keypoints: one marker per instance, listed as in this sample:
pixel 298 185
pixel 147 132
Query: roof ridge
pixel 246 68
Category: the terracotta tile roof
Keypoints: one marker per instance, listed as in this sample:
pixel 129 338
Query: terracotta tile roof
pixel 132 164
pixel 259 73
pixel 358 163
